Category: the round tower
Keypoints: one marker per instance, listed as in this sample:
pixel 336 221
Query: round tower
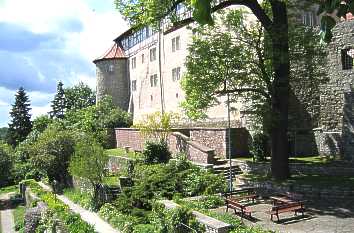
pixel 112 77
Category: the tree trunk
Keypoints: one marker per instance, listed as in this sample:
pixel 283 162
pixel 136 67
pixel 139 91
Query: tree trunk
pixel 280 95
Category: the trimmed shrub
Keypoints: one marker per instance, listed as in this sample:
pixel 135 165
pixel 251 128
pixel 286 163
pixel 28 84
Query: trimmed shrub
pixel 260 146
pixel 156 152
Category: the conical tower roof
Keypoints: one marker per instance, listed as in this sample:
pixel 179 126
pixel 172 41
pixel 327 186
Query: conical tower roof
pixel 115 52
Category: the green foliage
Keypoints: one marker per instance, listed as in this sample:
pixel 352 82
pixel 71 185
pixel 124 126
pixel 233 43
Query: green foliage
pixel 21 124
pixel 78 97
pixel 174 220
pixel 120 152
pixel 6 164
pixel 41 123
pixel 19 215
pixel 260 146
pixel 89 160
pixel 98 120
pixel 51 153
pixel 156 152
pixel 57 209
pixel 157 126
pixel 328 20
pixel 161 181
pixel 207 202
pixel 84 199
pixel 123 222
pixel 3 133
pixel 58 103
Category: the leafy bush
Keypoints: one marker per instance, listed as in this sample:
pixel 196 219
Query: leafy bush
pixel 156 152
pixel 122 222
pixel 52 152
pixel 6 164
pixel 82 198
pixel 174 220
pixel 160 181
pixel 260 146
pixel 208 202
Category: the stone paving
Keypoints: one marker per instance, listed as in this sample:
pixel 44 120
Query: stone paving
pixel 7 220
pixel 320 217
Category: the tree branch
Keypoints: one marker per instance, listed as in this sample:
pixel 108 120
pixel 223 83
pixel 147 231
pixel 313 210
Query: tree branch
pixel 243 90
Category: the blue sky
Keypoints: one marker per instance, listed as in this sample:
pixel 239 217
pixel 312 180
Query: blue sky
pixel 44 41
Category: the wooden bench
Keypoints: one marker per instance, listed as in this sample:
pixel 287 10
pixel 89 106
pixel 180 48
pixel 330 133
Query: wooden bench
pixel 288 207
pixel 233 204
pixel 241 194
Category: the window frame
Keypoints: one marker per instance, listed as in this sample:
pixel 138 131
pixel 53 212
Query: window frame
pixel 153 54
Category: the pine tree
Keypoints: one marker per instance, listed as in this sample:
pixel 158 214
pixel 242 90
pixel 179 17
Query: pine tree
pixel 21 124
pixel 58 104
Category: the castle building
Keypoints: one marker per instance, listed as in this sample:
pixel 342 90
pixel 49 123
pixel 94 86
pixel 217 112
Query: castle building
pixel 143 69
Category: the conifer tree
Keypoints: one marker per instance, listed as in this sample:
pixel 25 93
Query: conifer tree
pixel 21 124
pixel 58 104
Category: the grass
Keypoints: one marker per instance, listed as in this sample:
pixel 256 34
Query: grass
pixel 313 180
pixel 120 152
pixel 82 199
pixel 111 180
pixel 19 214
pixel 9 189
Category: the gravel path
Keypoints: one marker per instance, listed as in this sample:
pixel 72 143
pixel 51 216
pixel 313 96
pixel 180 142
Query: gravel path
pixel 100 225
pixel 7 223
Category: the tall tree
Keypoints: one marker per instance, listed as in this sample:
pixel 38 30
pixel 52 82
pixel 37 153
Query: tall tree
pixel 274 21
pixel 58 104
pixel 79 96
pixel 21 124
pixel 237 60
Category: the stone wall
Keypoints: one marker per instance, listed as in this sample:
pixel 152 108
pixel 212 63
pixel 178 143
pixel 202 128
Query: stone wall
pixel 304 191
pixel 297 169
pixel 177 142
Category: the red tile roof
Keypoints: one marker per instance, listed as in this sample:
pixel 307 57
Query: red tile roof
pixel 114 52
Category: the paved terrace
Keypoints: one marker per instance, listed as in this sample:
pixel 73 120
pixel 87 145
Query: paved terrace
pixel 320 217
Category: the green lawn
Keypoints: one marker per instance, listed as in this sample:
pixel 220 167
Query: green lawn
pixel 121 153
pixel 82 199
pixel 313 180
pixel 19 214
pixel 9 189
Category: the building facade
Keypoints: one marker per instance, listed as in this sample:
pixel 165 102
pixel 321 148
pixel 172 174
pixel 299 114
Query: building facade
pixel 143 69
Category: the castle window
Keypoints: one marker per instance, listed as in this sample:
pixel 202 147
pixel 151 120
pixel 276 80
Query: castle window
pixel 347 59
pixel 153 54
pixel 175 44
pixel 176 74
pixel 176 95
pixel 309 18
pixel 151 98
pixel 153 80
pixel 142 58
pixel 134 85
pixel 110 68
pixel 133 62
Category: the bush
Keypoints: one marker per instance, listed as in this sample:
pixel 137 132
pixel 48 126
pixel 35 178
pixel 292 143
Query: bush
pixel 6 164
pixel 156 152
pixel 260 146
pixel 174 220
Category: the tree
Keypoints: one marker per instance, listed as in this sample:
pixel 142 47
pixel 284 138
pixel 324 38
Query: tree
pixel 3 133
pixel 40 123
pixel 89 162
pixel 20 125
pixel 332 11
pixel 51 153
pixel 237 60
pixel 99 120
pixel 79 96
pixel 58 104
pixel 6 164
pixel 272 15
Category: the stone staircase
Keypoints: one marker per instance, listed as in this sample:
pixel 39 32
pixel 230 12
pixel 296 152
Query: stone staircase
pixel 222 166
